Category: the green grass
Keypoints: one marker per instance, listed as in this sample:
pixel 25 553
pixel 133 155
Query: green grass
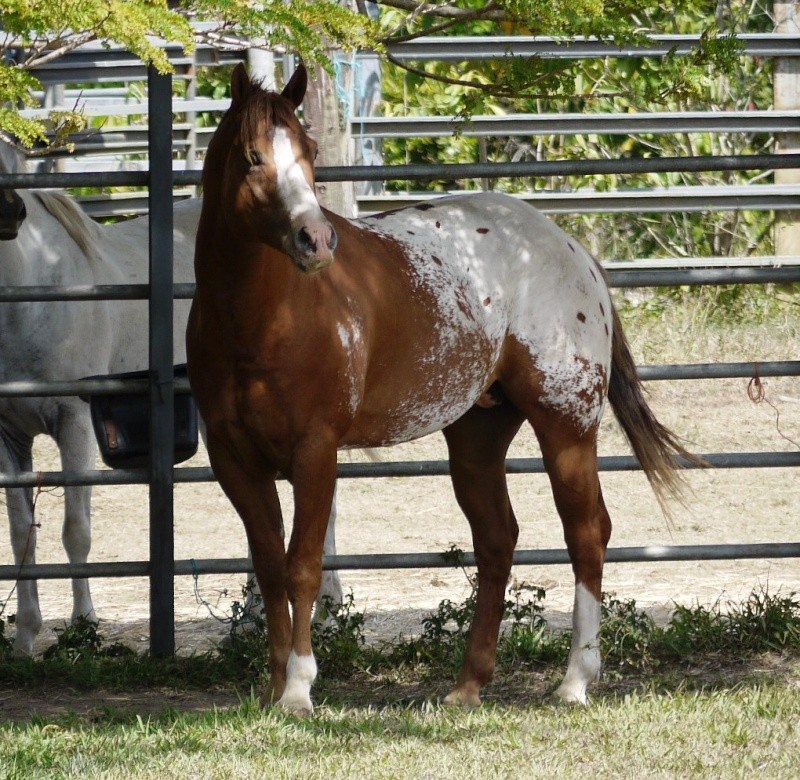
pixel 742 732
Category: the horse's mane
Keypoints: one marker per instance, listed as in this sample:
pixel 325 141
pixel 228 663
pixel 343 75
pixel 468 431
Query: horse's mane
pixel 261 106
pixel 82 230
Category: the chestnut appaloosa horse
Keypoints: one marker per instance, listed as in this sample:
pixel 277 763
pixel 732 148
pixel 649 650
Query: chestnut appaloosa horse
pixel 470 314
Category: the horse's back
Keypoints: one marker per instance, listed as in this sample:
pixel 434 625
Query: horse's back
pixel 127 243
pixel 540 283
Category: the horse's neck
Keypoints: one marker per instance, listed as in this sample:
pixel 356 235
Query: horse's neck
pixel 50 248
pixel 227 266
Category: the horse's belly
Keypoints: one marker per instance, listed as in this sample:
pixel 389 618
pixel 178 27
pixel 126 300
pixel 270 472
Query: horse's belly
pixel 424 395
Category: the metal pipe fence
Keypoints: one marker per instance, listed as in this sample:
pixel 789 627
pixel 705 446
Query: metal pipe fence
pixel 161 477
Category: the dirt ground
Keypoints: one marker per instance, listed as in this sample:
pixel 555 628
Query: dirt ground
pixel 420 515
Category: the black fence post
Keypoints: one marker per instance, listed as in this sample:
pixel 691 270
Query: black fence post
pixel 162 433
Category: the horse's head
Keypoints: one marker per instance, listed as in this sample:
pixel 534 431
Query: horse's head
pixel 12 214
pixel 12 207
pixel 262 161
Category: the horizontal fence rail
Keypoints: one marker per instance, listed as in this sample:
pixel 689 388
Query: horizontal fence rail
pixel 436 48
pixel 578 124
pixel 133 139
pixel 378 561
pixel 763 197
pixel 84 387
pixel 388 469
pixel 444 171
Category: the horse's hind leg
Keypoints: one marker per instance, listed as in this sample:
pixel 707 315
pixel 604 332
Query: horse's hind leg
pixel 477 445
pixel 15 457
pixel 570 458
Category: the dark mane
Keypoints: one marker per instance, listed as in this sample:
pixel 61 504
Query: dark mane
pixel 263 111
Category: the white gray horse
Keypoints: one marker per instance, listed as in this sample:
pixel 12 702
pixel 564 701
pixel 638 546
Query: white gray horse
pixel 58 244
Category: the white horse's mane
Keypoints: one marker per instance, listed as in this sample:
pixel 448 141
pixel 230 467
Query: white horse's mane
pixel 81 228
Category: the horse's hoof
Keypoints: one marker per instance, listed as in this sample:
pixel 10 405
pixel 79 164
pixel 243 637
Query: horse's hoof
pixel 460 697
pixel 22 653
pixel 566 694
pixel 294 701
pixel 300 706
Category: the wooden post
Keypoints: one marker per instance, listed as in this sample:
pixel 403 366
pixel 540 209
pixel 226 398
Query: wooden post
pixel 786 96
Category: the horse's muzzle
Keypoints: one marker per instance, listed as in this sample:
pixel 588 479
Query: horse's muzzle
pixel 12 214
pixel 314 245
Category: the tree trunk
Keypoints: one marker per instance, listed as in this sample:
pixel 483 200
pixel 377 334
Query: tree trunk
pixel 786 91
pixel 329 126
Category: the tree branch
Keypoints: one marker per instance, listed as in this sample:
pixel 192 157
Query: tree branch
pixel 489 89
pixel 488 12
pixel 441 27
pixel 45 54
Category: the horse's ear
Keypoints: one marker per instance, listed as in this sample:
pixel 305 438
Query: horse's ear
pixel 240 83
pixel 295 90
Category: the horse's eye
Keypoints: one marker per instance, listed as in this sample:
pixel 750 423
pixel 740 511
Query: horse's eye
pixel 254 157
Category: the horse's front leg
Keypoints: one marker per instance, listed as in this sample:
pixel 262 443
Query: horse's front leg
pixel 15 457
pixel 254 496
pixel 314 484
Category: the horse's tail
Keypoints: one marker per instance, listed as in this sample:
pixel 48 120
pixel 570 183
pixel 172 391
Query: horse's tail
pixel 655 446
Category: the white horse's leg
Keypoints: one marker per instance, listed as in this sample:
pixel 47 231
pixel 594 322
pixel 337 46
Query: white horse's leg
pixel 16 456
pixel 76 444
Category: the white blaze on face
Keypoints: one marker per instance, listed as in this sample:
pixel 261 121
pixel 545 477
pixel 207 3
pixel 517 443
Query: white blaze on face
pixel 295 192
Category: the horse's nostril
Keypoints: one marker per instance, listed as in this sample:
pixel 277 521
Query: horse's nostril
pixel 305 242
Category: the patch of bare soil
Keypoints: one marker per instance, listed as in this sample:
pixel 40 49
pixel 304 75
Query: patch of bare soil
pixel 55 701
pixel 421 515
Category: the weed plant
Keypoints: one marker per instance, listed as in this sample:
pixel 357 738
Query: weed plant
pixel 631 643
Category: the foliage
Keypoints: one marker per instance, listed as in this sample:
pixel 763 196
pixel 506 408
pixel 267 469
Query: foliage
pixel 613 84
pixel 40 31
pixel 338 640
pixel 82 641
pixel 762 623
pixel 631 644
pixel 6 645
pixel 515 80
